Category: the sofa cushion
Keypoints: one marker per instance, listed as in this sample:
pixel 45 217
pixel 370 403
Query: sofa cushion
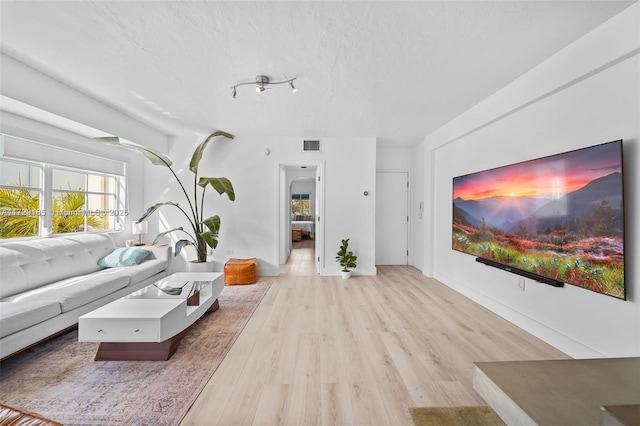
pixel 20 315
pixel 141 272
pixel 124 256
pixel 76 291
pixel 146 269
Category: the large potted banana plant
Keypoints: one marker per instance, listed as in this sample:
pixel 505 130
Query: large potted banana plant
pixel 203 231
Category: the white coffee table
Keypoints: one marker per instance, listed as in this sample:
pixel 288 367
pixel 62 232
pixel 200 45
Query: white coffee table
pixel 149 324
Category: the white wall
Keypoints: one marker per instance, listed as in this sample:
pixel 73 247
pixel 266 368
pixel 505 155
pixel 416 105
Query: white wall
pixel 250 225
pixel 394 158
pixel 586 94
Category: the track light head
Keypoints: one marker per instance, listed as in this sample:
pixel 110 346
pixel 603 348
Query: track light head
pixel 293 88
pixel 261 80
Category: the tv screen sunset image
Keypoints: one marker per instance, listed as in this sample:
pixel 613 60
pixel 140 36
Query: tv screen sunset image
pixel 560 217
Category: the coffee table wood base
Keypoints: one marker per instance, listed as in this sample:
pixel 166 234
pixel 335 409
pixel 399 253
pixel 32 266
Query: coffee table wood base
pixel 143 351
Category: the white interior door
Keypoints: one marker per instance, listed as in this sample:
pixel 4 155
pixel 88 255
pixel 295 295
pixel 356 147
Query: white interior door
pixel 392 218
pixel 318 220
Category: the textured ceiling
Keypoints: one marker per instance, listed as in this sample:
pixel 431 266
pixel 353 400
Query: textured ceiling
pixel 393 70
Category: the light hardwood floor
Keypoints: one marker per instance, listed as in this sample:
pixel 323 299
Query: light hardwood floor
pixel 328 351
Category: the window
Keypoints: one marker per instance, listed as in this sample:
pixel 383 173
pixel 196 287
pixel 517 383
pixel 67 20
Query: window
pixel 300 205
pixel 82 201
pixel 37 199
pixel 20 195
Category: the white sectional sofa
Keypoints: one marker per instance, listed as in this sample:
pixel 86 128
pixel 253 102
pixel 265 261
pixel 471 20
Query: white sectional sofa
pixel 47 283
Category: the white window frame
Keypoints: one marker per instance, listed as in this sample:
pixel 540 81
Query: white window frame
pixel 46 195
pixel 39 189
pixel 302 198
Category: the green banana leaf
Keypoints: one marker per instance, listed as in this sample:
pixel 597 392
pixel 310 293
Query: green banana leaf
pixel 153 208
pixel 162 234
pixel 197 154
pixel 213 223
pixel 180 244
pixel 156 157
pixel 211 236
pixel 222 185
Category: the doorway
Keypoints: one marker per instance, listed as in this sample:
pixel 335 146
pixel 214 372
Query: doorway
pixel 305 182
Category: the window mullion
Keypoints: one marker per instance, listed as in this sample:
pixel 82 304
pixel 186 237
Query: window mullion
pixel 28 188
pixel 121 202
pixel 46 221
pixel 86 199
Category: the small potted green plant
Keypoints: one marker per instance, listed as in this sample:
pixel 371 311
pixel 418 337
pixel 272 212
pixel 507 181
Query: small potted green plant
pixel 346 258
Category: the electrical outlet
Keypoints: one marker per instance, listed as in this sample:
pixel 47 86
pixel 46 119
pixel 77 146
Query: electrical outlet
pixel 521 283
pixel 230 251
pixel 356 251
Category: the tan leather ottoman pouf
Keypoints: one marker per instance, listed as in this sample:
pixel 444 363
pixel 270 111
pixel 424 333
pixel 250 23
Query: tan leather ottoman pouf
pixel 241 271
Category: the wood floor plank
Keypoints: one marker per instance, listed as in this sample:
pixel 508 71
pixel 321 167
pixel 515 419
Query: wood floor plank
pixel 273 405
pixel 327 351
pixel 336 405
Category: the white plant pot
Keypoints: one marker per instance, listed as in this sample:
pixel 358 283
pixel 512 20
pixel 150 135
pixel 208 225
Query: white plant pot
pixel 200 266
pixel 345 274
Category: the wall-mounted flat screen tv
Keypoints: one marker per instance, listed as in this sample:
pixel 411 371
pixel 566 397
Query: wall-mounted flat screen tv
pixel 557 219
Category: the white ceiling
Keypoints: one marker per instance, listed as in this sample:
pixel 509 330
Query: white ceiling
pixel 390 69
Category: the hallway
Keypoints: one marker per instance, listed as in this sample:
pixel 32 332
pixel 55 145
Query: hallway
pixel 301 260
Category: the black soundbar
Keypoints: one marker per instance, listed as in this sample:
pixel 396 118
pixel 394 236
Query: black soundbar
pixel 521 272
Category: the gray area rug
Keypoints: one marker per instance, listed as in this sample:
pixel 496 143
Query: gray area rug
pixel 60 380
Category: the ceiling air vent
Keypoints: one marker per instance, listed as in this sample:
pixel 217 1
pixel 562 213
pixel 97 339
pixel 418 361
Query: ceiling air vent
pixel 311 145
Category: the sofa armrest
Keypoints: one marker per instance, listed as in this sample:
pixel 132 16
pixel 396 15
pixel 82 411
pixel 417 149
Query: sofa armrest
pixel 160 252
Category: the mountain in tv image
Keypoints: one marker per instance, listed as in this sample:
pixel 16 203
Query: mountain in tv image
pixel 537 214
pixel 575 238
pixel 499 211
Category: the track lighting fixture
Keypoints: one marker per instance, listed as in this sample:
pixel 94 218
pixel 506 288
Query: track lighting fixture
pixel 262 82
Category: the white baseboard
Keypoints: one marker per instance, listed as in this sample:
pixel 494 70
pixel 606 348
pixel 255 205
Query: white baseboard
pixel 272 271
